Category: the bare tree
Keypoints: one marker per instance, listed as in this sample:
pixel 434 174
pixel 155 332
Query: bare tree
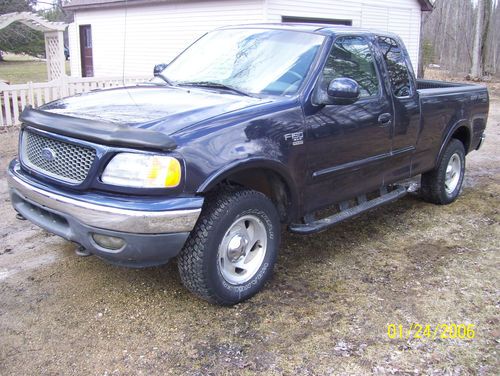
pixel 460 34
pixel 477 53
pixel 491 36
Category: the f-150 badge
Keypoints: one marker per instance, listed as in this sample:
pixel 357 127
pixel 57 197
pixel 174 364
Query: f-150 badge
pixel 297 138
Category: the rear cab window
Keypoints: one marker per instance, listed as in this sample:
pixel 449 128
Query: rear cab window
pixel 395 61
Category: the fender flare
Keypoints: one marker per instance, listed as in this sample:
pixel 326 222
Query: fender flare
pixel 462 123
pixel 255 163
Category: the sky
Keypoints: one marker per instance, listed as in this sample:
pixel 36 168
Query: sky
pixel 44 4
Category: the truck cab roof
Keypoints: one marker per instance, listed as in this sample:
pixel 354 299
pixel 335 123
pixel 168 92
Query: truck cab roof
pixel 315 28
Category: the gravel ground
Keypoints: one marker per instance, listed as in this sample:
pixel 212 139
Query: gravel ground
pixel 326 311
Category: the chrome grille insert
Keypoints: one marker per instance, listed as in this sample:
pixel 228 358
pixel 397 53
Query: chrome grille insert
pixel 58 159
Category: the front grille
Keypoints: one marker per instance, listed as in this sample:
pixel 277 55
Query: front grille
pixel 58 159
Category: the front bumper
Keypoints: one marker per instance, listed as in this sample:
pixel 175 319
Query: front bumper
pixel 153 231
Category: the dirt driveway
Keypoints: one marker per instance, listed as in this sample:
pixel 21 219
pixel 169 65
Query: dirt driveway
pixel 326 311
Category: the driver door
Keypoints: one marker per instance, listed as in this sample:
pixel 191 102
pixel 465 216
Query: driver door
pixel 348 145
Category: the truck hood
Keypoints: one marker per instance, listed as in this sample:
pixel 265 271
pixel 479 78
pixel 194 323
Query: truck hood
pixel 161 108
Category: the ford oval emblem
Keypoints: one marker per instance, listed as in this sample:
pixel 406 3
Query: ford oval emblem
pixel 48 154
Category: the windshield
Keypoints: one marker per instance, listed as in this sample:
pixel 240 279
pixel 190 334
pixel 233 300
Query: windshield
pixel 254 61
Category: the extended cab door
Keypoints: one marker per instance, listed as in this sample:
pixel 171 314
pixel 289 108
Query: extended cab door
pixel 402 89
pixel 348 145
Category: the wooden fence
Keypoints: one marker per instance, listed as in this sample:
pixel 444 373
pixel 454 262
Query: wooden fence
pixel 13 98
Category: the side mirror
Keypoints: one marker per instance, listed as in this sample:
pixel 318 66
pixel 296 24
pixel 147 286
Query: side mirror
pixel 158 69
pixel 343 91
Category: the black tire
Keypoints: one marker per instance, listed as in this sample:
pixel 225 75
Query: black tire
pixel 433 185
pixel 199 261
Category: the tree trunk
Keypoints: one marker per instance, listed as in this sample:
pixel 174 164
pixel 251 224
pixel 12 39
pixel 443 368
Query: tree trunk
pixel 486 37
pixel 477 69
pixel 421 68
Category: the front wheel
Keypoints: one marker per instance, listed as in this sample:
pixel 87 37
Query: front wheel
pixel 443 184
pixel 231 252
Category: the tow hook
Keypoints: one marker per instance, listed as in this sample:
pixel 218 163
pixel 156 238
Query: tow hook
pixel 20 217
pixel 82 252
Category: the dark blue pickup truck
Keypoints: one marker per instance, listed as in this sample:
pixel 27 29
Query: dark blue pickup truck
pixel 251 127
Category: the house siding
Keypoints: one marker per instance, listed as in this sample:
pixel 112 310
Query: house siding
pixel 131 41
pixel 401 17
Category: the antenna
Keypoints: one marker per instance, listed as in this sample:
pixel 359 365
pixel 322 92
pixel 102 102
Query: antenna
pixel 124 42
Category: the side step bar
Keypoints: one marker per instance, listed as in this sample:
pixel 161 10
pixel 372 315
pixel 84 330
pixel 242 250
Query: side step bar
pixel 345 213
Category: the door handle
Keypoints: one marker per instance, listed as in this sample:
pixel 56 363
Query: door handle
pixel 385 119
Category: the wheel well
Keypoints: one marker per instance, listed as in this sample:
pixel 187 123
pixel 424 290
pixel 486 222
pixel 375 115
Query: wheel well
pixel 463 135
pixel 267 182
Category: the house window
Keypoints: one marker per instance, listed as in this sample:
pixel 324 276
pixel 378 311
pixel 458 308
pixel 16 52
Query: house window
pixel 88 37
pixel 328 21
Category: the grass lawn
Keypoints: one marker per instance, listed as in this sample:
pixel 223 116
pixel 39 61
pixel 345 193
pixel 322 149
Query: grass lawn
pixel 19 69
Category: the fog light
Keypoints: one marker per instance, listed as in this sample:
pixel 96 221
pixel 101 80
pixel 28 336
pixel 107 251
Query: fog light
pixel 109 242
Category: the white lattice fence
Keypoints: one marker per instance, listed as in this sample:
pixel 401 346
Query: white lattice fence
pixel 14 98
pixel 55 57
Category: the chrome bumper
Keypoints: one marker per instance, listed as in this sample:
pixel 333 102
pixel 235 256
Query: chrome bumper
pixel 125 220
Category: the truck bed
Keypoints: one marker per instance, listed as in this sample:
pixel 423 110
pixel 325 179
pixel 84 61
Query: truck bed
pixel 442 106
pixel 433 84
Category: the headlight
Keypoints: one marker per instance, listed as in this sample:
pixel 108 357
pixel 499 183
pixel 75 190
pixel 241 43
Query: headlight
pixel 142 171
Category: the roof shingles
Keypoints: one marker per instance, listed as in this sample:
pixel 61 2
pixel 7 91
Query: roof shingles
pixel 425 5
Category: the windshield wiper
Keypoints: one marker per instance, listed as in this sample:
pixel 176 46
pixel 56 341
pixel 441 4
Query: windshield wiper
pixel 216 85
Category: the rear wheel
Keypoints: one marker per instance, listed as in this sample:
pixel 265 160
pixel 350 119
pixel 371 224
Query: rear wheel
pixel 444 184
pixel 231 252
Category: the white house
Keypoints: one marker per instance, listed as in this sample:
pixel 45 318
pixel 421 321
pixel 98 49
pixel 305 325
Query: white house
pixel 128 37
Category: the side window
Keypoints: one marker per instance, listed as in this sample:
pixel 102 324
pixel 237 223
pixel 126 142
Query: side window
pixel 396 66
pixel 351 57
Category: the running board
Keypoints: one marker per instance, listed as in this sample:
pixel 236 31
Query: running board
pixel 346 213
